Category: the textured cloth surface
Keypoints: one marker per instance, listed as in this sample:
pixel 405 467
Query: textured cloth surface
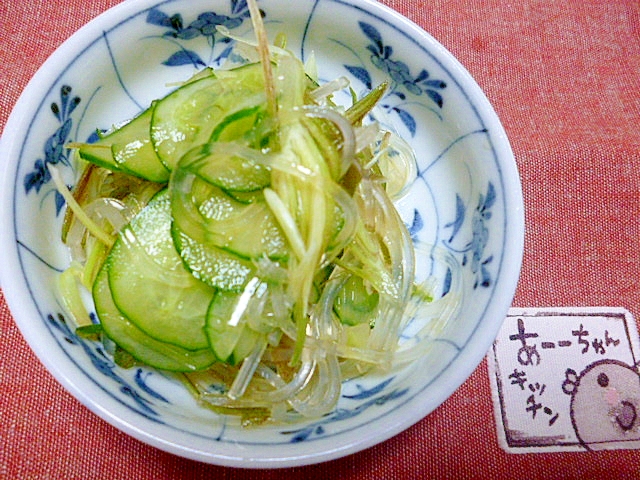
pixel 563 78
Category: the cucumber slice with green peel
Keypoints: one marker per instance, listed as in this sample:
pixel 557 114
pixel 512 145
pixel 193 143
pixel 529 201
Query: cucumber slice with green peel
pixel 138 344
pixel 230 166
pixel 214 266
pixel 211 217
pixel 245 345
pixel 136 154
pixel 150 284
pixel 128 149
pixel 243 126
pixel 187 117
pixel 230 338
pixel 354 304
pixel 100 154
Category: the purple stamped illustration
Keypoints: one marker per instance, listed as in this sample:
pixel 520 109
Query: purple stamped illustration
pixel 566 379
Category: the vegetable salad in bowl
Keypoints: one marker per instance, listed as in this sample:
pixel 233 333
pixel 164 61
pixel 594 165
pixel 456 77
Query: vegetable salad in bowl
pixel 277 233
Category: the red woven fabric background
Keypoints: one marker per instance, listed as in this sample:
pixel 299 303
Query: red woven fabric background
pixel 564 79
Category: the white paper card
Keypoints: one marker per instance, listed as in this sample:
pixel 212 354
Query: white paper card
pixel 566 379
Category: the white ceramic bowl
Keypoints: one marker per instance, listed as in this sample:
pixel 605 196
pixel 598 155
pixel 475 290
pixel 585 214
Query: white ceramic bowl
pixel 466 199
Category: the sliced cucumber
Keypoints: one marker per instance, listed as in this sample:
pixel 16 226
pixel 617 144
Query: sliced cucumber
pixel 230 166
pixel 241 126
pixel 214 266
pixel 128 149
pixel 151 285
pixel 100 154
pixel 229 336
pixel 354 304
pixel 211 217
pixel 188 116
pixel 138 344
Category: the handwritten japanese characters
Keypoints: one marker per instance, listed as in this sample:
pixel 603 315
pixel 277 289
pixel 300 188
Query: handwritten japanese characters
pixel 566 379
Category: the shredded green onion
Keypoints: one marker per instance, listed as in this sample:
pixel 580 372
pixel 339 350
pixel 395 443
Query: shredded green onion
pixel 96 231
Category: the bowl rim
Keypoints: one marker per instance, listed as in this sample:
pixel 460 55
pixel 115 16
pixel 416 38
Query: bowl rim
pixel 468 359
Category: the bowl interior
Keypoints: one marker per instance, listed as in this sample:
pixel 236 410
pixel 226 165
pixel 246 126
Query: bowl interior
pixel 466 200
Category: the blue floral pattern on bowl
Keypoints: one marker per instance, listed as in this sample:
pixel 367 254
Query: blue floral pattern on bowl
pixel 55 151
pixel 205 25
pixel 459 201
pixel 403 83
